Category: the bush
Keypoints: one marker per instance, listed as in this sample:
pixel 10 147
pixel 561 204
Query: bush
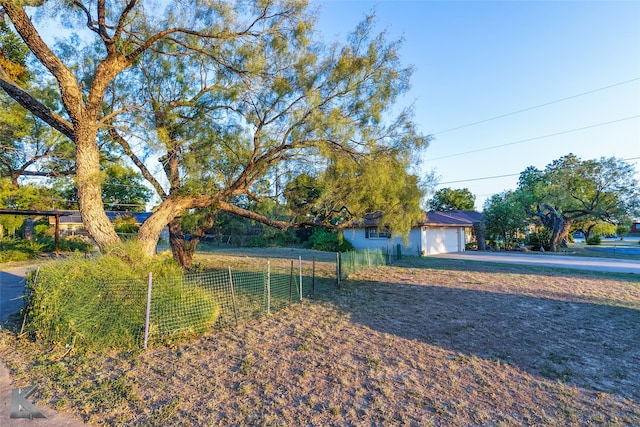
pixel 22 250
pixel 100 304
pixel 19 249
pixel 125 224
pixel 273 237
pixel 539 239
pixel 594 240
pixel 14 255
pixel 324 240
pixel 65 244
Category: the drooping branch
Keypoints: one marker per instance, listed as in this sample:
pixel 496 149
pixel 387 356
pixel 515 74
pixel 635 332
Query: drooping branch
pixel 71 92
pixel 236 210
pixel 36 107
pixel 137 161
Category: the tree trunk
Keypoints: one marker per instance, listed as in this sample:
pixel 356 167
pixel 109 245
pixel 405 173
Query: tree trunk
pixel 559 233
pixel 182 250
pixel 169 209
pixel 479 230
pixel 89 187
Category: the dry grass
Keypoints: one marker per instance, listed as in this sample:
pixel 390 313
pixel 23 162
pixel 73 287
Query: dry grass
pixel 422 343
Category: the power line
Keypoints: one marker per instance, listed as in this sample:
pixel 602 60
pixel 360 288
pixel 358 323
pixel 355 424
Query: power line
pixel 536 106
pixel 479 179
pixel 535 138
pixel 505 176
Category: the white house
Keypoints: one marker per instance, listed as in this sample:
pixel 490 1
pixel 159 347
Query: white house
pixel 440 232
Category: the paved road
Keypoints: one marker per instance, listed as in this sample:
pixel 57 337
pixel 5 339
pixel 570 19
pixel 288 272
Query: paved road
pixel 610 265
pixel 11 291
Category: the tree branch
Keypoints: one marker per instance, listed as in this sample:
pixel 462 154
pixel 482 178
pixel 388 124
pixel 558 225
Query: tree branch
pixel 36 107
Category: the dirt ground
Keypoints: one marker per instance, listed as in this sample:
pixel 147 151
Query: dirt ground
pixel 424 342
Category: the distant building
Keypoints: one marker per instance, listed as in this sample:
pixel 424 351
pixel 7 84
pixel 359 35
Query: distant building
pixel 440 232
pixel 72 222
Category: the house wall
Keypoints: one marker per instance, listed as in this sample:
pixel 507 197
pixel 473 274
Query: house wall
pixel 357 237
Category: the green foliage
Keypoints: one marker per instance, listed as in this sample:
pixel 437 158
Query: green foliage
pixel 623 229
pixel 594 240
pixel 505 217
pixel 100 304
pixel 125 224
pixel 22 250
pixel 271 95
pixel 19 249
pixel 272 237
pixel 540 238
pixel 586 193
pixel 122 188
pixel 65 244
pixel 13 53
pixel 449 199
pixel 324 240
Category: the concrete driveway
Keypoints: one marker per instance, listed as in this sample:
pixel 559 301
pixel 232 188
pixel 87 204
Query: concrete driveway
pixel 609 265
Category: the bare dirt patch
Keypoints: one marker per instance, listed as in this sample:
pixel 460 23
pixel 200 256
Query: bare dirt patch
pixel 422 343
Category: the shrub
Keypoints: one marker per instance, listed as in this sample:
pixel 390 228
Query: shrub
pixel 324 240
pixel 539 239
pixel 125 224
pixel 65 244
pixel 594 240
pixel 15 255
pixel 19 249
pixel 100 304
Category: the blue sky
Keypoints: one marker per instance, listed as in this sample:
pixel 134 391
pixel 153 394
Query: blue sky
pixel 477 60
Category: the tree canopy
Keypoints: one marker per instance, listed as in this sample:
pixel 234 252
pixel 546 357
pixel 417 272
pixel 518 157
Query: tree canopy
pixel 223 94
pixel 447 199
pixel 505 217
pixel 569 190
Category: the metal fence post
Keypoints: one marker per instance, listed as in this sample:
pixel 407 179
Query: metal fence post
pixel 291 283
pixel 300 266
pixel 268 287
pixel 233 297
pixel 338 269
pixel 148 315
pixel 313 276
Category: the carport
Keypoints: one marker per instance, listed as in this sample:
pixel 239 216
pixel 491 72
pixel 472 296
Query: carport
pixel 32 212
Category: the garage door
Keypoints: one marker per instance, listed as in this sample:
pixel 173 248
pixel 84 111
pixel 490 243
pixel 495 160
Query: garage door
pixel 442 240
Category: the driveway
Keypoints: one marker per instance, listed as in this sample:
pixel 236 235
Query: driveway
pixel 609 265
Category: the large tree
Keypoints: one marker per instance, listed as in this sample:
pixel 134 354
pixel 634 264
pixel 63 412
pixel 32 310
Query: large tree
pixel 504 217
pixel 447 199
pixel 221 92
pixel 570 189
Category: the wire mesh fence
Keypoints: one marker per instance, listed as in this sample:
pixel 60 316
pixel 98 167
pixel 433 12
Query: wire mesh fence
pixel 135 313
pixel 352 262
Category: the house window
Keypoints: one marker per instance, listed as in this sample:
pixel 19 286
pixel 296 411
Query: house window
pixel 377 233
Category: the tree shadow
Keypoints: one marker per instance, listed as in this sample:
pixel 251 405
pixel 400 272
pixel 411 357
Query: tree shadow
pixel 589 345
